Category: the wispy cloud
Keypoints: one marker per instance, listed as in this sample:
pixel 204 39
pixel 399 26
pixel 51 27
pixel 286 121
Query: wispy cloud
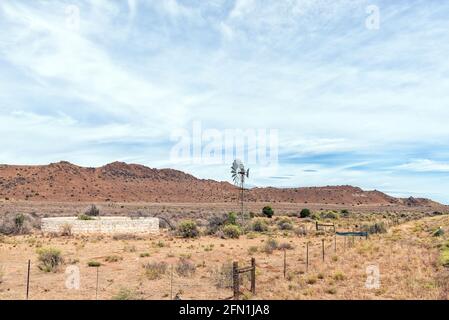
pixel 352 105
pixel 425 165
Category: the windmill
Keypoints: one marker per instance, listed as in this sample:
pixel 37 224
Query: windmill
pixel 238 175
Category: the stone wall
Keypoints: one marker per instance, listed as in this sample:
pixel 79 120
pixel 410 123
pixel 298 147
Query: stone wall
pixel 102 225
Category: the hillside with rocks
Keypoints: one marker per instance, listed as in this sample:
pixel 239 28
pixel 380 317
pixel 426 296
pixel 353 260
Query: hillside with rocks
pixel 121 182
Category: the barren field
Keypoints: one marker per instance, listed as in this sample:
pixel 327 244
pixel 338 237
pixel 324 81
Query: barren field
pixel 408 256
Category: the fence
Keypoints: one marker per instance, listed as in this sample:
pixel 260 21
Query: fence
pixel 325 225
pixel 236 271
pixel 25 281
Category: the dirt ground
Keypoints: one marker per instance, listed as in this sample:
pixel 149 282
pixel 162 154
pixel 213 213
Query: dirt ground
pixel 406 257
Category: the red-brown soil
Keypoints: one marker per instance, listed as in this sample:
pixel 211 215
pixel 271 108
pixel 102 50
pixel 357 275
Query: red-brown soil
pixel 121 182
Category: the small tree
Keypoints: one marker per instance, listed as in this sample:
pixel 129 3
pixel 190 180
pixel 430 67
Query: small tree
pixel 232 218
pixel 268 211
pixel 93 211
pixel 305 213
pixel 19 220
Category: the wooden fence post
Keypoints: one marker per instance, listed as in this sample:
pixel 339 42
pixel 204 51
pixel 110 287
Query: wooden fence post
pixel 28 279
pixel 322 245
pixel 253 275
pixel 316 225
pixel 235 279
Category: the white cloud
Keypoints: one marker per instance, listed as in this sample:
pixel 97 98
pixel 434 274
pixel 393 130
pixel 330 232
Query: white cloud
pixel 425 165
pixel 137 70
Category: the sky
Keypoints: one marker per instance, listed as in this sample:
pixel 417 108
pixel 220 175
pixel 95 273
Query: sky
pixel 350 92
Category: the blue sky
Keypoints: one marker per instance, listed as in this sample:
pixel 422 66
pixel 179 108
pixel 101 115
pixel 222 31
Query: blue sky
pixel 351 105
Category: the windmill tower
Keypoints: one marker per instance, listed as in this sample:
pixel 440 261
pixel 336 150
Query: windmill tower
pixel 239 174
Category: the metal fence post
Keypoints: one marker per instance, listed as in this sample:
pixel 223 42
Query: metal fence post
pixel 28 279
pixel 253 276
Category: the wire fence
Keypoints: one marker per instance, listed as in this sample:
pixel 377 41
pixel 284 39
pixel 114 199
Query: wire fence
pixel 211 280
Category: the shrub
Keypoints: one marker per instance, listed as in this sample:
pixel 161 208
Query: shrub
pixel 232 231
pixel 129 248
pixel 331 290
pixel 19 220
pixel 339 276
pixel 66 230
pixel 344 213
pixel 270 245
pixel 188 229
pixel 93 263
pixel 232 218
pixel 125 236
pixel 285 224
pixel 378 227
pixel 155 270
pixel 311 280
pixel 329 215
pixel 267 211
pixel 125 294
pixel 252 250
pixel 50 259
pixel 301 231
pixel 286 246
pixel 85 217
pixel 305 213
pixel 144 254
pixel 113 258
pixel 215 223
pixel 18 224
pixel 185 267
pixel 438 232
pixel 259 225
pixel 93 211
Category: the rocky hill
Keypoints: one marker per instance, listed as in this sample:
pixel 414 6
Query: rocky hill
pixel 121 182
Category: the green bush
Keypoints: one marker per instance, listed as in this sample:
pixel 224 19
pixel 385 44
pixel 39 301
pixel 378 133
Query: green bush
pixel 188 229
pixel 305 213
pixel 49 259
pixel 267 211
pixel 19 221
pixel 259 225
pixel 438 232
pixel 93 263
pixel 232 231
pixel 85 217
pixel 232 218
pixel 329 215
